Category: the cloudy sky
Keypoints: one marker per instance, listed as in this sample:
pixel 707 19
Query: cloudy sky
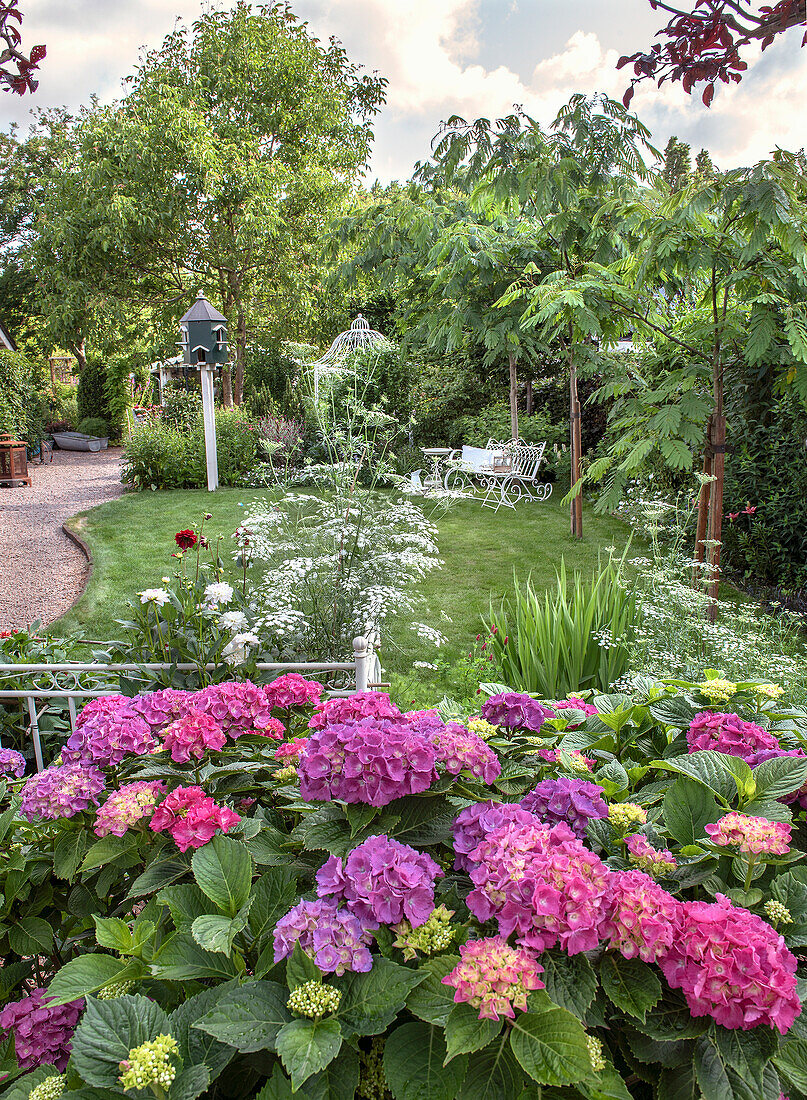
pixel 443 57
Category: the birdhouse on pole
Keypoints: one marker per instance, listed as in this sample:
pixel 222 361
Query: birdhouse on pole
pixel 204 348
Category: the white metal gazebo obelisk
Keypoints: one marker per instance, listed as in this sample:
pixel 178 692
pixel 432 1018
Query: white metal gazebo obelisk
pixel 359 337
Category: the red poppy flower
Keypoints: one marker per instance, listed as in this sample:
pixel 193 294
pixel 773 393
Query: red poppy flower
pixel 186 540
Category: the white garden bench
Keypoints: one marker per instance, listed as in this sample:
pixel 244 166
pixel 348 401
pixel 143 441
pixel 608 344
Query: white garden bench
pixel 506 470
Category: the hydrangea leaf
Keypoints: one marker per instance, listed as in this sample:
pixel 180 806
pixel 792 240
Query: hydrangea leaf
pixel 30 936
pixel 249 1017
pixel 371 1001
pixel 196 1046
pixel 89 973
pixel 679 1084
pixel 780 776
pixel 307 1046
pixel 671 1019
pixel 68 853
pixel 414 1057
pixel 301 968
pixel 183 959
pixel 791 1061
pixel 108 848
pixel 466 1033
pixel 570 981
pixel 273 894
pixel 630 984
pixel 719 1079
pixel 551 1047
pixel 687 808
pixel 493 1073
pixel 108 1031
pixel 186 902
pixel 431 1000
pixel 223 872
pixel 190 1083
pixel 162 872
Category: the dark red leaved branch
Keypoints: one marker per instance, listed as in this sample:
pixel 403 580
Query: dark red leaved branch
pixel 702 45
pixel 16 68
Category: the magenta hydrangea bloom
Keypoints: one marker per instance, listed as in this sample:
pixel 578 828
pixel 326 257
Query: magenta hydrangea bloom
pixel 542 885
pixel 573 703
pixel 292 690
pixel 649 859
pixel 459 750
pixel 42 1035
pixel 355 708
pixel 370 760
pixel 474 823
pixel 291 750
pixel 123 809
pixel 335 938
pixel 160 708
pixel 428 722
pixel 573 801
pixel 728 733
pixel 515 710
pixel 494 977
pixel 642 919
pixel 62 790
pixel 382 880
pixel 753 836
pixel 238 708
pixel 733 966
pixel 102 707
pixel 192 735
pixel 192 818
pixel 107 736
pixel 12 763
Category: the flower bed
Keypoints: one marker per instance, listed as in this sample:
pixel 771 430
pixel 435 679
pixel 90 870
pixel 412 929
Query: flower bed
pixel 247 891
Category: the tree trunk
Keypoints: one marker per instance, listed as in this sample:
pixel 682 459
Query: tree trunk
pixel 703 508
pixel 79 350
pixel 529 397
pixel 576 506
pixel 240 355
pixel 716 511
pixel 226 387
pixel 513 396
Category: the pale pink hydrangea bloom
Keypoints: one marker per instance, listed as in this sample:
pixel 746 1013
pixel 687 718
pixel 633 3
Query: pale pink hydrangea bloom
pixel 649 859
pixel 642 917
pixel 751 835
pixel 494 977
pixel 459 750
pixel 123 809
pixel 291 750
pixel 238 708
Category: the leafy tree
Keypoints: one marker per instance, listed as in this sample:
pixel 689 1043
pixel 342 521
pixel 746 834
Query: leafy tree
pixel 702 44
pixel 571 184
pixel 677 164
pixel 217 170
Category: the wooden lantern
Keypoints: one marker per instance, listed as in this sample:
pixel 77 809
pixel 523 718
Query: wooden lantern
pixel 13 461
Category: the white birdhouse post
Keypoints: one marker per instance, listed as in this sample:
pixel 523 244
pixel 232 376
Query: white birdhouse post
pixel 204 346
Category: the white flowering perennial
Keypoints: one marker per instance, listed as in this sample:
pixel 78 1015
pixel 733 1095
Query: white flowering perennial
pixel 218 593
pixel 49 1089
pixel 364 555
pixel 314 1000
pixel 154 595
pixel 150 1064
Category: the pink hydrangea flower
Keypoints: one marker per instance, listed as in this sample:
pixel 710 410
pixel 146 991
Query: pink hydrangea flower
pixel 578 761
pixel 515 710
pixel 291 750
pixel 292 690
pixel 573 703
pixel 192 735
pixel 732 966
pixel 494 977
pixel 369 760
pixel 102 707
pixel 192 818
pixel 653 862
pixel 571 800
pixel 425 721
pixel 382 880
pixel 61 791
pixel 642 918
pixel 459 750
pixel 474 823
pixel 542 884
pixel 728 733
pixel 123 809
pixel 238 708
pixel 108 735
pixel 160 708
pixel 12 763
pixel 335 938
pixel 751 835
pixel 42 1035
pixel 354 708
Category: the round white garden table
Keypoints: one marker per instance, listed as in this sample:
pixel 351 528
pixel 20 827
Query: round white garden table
pixel 436 454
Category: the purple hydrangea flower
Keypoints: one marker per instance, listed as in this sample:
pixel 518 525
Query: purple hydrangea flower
pixel 238 708
pixel 425 721
pixel 353 708
pixel 572 801
pixel 12 763
pixel 382 880
pixel 373 761
pixel 462 751
pixel 337 939
pixel 475 822
pixel 108 735
pixel 515 710
pixel 61 791
pixel 42 1035
pixel 160 708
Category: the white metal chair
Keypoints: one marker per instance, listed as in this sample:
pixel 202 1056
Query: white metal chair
pixel 517 477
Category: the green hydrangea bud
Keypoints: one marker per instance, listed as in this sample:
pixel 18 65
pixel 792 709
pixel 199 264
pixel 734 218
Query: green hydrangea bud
pixel 49 1089
pixel 777 913
pixel 314 1000
pixel 717 691
pixel 595 1053
pixel 282 775
pixel 433 936
pixel 150 1064
pixel 117 989
pixel 626 816
pixel 372 1082
pixel 481 728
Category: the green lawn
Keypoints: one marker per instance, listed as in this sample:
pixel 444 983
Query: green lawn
pixel 132 540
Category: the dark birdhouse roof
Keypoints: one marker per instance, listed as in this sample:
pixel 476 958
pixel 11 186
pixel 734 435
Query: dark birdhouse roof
pixel 201 310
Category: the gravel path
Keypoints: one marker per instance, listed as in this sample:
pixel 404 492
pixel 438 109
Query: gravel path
pixel 41 571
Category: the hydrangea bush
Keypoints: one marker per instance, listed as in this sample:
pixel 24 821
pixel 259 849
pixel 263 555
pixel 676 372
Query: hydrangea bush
pixel 255 891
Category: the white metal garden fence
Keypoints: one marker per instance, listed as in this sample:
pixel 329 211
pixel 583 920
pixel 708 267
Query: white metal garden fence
pixel 50 682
